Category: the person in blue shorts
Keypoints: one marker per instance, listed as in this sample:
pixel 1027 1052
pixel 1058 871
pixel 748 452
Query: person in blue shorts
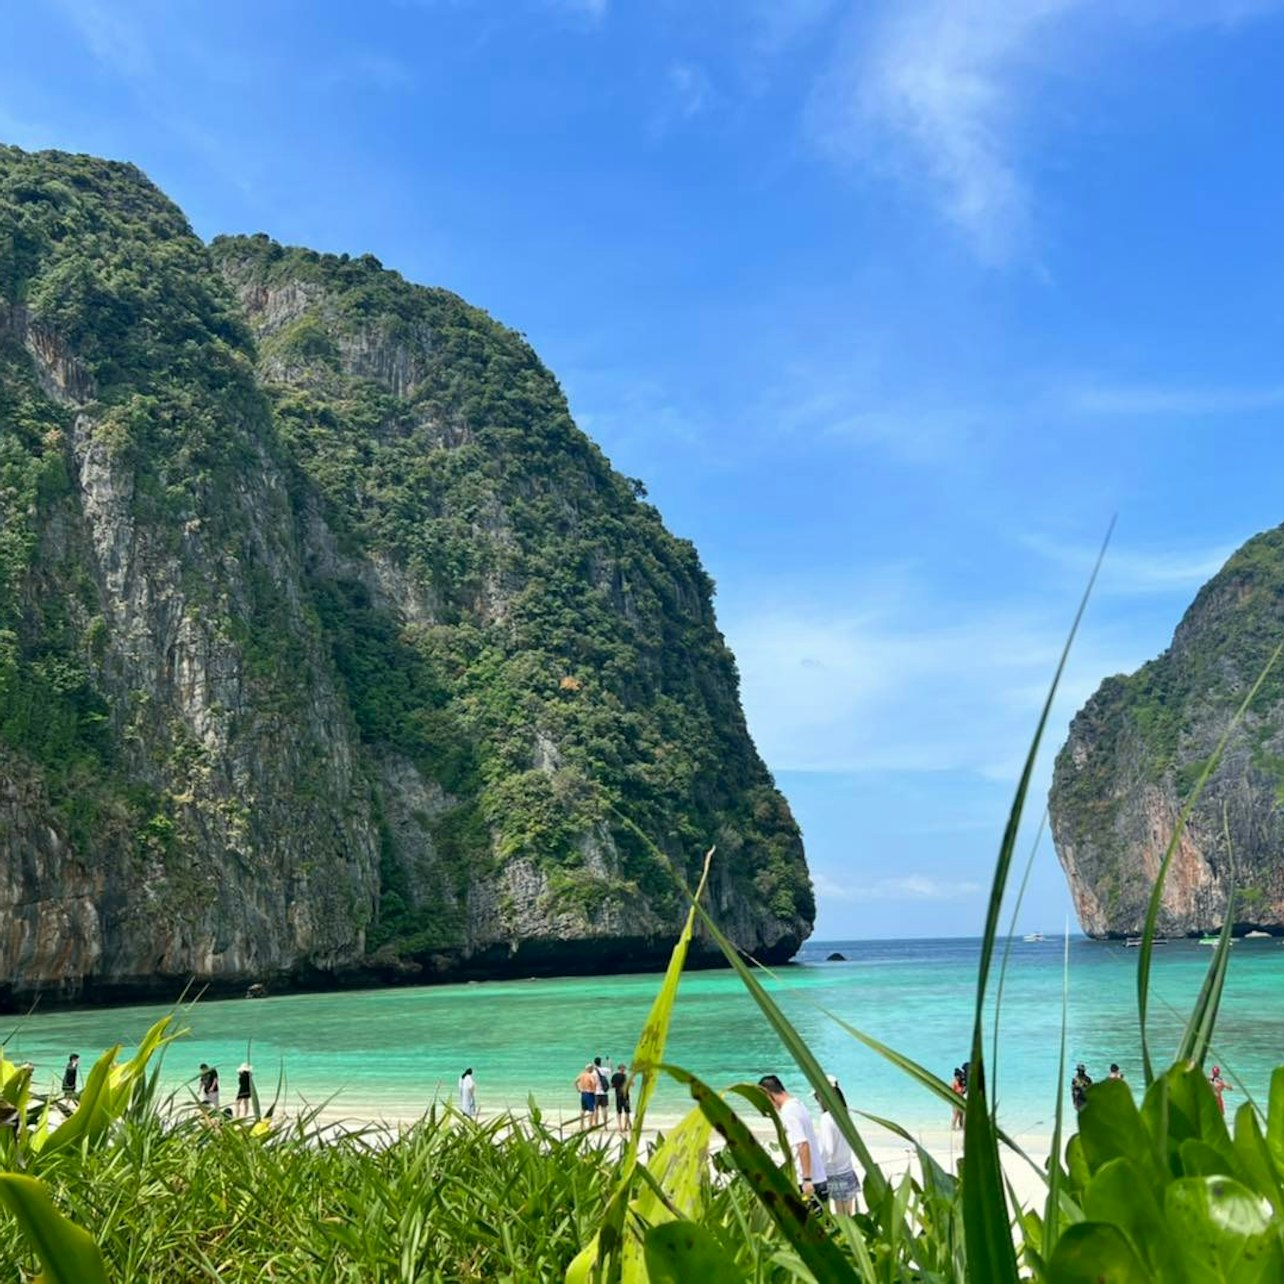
pixel 586 1086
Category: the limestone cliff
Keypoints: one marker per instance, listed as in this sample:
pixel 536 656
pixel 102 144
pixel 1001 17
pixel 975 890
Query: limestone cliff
pixel 1138 747
pixel 330 649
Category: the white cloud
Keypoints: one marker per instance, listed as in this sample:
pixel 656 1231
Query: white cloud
pixel 943 93
pixel 1136 570
pixel 904 685
pixel 1124 401
pixel 909 887
pixel 690 88
pixel 112 34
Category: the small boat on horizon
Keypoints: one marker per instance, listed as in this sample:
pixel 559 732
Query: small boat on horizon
pixel 1134 942
pixel 1034 936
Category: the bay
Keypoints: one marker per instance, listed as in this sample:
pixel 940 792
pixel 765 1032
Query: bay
pixel 391 1052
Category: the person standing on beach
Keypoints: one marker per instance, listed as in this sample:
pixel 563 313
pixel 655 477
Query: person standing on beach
pixel 209 1086
pixel 69 1074
pixel 468 1094
pixel 623 1107
pixel 603 1093
pixel 959 1088
pixel 244 1089
pixel 840 1167
pixel 1219 1086
pixel 586 1086
pixel 808 1163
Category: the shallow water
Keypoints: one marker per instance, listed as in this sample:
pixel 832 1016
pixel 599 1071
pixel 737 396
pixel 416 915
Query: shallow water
pixel 394 1050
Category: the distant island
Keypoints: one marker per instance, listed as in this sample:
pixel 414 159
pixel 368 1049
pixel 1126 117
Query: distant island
pixel 331 650
pixel 1140 744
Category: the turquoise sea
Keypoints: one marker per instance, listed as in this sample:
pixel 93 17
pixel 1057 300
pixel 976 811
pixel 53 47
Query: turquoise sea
pixel 393 1051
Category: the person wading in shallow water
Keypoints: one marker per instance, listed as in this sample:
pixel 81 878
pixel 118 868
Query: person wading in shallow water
pixel 809 1164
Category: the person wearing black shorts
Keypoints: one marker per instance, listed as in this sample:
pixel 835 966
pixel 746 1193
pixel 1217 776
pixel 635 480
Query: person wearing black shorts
pixel 603 1091
pixel 623 1107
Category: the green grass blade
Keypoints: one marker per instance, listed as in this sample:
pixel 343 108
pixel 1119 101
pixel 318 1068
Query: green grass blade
pixel 66 1251
pixel 1007 952
pixel 1157 891
pixel 1199 1029
pixel 986 1220
pixel 781 1199
pixel 602 1258
pixel 796 1046
pixel 1052 1209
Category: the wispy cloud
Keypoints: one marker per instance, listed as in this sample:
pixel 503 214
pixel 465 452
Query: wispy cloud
pixel 687 92
pixel 909 887
pixel 113 34
pixel 944 94
pixel 1136 570
pixel 905 684
pixel 1144 401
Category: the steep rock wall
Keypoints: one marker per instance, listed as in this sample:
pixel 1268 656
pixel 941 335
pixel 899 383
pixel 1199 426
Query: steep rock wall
pixel 329 648
pixel 1137 748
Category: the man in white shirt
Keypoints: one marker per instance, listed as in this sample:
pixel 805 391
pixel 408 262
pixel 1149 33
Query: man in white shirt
pixel 809 1164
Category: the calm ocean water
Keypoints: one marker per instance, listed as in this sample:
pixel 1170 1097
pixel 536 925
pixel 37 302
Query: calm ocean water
pixel 392 1050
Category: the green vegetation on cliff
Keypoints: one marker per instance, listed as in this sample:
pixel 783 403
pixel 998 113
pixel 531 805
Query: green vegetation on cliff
pixel 1137 749
pixel 307 569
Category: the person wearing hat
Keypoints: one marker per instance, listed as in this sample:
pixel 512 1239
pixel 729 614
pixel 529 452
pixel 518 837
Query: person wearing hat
pixel 244 1089
pixel 840 1167
pixel 1079 1086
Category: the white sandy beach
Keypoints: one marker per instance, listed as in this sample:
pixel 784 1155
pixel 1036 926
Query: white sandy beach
pixel 892 1153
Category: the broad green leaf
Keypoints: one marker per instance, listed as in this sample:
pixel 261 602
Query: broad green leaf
pixel 66 1251
pixel 1122 1194
pixel 1225 1233
pixel 1077 1171
pixel 1110 1127
pixel 1199 1159
pixel 1254 1158
pixel 90 1112
pixel 1275 1121
pixel 1096 1253
pixel 778 1195
pixel 1180 1105
pixel 680 1252
pixel 677 1168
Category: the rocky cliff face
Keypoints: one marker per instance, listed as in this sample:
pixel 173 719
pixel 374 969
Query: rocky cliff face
pixel 1138 747
pixel 329 647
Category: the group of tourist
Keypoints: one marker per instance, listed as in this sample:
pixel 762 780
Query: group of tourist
pixel 209 1088
pixel 596 1084
pixel 822 1158
pixel 1082 1081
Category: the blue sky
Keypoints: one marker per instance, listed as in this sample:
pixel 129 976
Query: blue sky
pixel 892 305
